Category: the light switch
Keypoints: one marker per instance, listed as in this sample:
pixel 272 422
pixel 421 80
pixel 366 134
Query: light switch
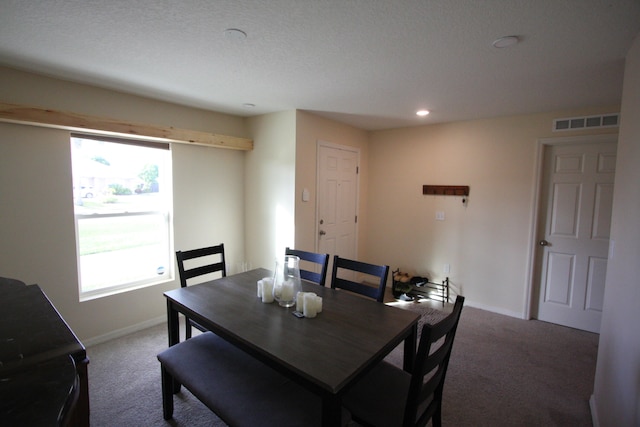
pixel 439 215
pixel 305 195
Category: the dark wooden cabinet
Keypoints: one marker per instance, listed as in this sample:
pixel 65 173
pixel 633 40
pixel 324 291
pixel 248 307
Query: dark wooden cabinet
pixel 43 365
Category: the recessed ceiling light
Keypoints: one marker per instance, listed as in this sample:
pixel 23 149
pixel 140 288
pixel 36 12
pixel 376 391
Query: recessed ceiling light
pixel 234 34
pixel 423 113
pixel 506 41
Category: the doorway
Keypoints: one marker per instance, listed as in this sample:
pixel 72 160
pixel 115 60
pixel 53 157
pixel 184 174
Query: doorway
pixel 337 204
pixel 572 238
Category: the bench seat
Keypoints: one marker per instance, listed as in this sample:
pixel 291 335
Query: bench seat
pixel 239 388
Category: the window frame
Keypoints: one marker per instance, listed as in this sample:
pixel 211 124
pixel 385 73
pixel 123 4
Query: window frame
pixel 166 213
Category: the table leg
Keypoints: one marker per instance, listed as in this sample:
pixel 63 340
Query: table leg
pixel 410 349
pixel 331 410
pixel 172 324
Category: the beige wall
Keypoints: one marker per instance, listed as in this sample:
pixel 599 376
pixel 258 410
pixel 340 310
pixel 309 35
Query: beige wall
pixel 37 236
pixel 34 90
pixel 269 190
pixel 486 241
pixel 310 129
pixel 616 398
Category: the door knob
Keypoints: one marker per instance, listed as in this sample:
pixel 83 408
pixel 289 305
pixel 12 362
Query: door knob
pixel 543 243
pixel 322 232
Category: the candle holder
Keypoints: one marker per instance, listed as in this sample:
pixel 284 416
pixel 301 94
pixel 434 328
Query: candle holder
pixel 286 280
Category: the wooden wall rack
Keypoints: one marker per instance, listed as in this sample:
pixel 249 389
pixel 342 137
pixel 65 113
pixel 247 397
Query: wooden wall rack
pixel 446 190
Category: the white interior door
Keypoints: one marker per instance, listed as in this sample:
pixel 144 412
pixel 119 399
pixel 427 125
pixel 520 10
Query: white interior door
pixel 578 192
pixel 337 200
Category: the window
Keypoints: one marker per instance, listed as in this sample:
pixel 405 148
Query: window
pixel 122 204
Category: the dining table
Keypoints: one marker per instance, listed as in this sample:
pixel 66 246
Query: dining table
pixel 326 354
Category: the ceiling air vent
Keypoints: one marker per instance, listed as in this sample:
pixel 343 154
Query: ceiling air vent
pixel 587 122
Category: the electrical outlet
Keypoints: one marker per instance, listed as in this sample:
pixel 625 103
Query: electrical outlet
pixel 439 215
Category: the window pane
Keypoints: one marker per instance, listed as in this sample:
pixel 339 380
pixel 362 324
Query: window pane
pixel 122 200
pixel 111 177
pixel 122 250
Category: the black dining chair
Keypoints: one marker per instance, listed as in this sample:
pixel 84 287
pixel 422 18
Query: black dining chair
pixel 321 260
pixel 200 262
pixel 379 273
pixel 390 396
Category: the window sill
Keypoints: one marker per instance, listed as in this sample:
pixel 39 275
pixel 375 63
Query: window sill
pixel 102 293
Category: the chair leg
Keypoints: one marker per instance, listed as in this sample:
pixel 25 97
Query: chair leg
pixel 187 328
pixel 168 386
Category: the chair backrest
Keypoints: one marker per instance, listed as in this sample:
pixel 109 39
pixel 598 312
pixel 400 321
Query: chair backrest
pixel 322 260
pixel 374 290
pixel 217 256
pixel 425 397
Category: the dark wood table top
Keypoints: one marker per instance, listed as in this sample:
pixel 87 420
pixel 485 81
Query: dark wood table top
pixel 330 351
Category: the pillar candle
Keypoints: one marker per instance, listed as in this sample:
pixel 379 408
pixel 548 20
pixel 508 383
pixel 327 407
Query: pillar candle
pixel 300 302
pixel 310 309
pixel 260 288
pixel 286 294
pixel 267 290
pixel 319 304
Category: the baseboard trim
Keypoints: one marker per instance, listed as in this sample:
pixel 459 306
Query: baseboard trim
pixel 124 331
pixel 594 411
pixel 493 309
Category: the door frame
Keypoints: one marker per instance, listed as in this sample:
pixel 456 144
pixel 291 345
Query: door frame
pixel 530 297
pixel 322 143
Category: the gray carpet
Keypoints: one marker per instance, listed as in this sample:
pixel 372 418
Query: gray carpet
pixel 503 372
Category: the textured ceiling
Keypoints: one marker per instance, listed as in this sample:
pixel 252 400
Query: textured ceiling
pixel 369 63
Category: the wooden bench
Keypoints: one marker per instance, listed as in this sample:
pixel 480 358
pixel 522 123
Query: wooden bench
pixel 239 388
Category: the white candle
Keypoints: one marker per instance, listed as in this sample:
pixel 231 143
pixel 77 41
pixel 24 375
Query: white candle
pixel 286 293
pixel 319 304
pixel 267 290
pixel 260 288
pixel 310 308
pixel 300 301
pixel 277 289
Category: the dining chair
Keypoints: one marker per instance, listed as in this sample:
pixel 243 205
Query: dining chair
pixel 389 396
pixel 199 262
pixel 321 260
pixel 378 272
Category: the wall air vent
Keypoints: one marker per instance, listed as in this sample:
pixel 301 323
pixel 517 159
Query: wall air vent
pixel 587 122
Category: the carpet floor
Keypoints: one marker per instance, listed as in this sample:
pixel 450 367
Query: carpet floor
pixel 503 372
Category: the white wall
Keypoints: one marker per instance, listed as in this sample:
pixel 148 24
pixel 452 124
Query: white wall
pixel 37 236
pixel 616 397
pixel 311 128
pixel 269 189
pixel 485 241
pixel 208 200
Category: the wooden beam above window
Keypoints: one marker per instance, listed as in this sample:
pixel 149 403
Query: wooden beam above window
pixel 36 116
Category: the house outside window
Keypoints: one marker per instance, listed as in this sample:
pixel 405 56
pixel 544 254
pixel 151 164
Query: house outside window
pixel 122 195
